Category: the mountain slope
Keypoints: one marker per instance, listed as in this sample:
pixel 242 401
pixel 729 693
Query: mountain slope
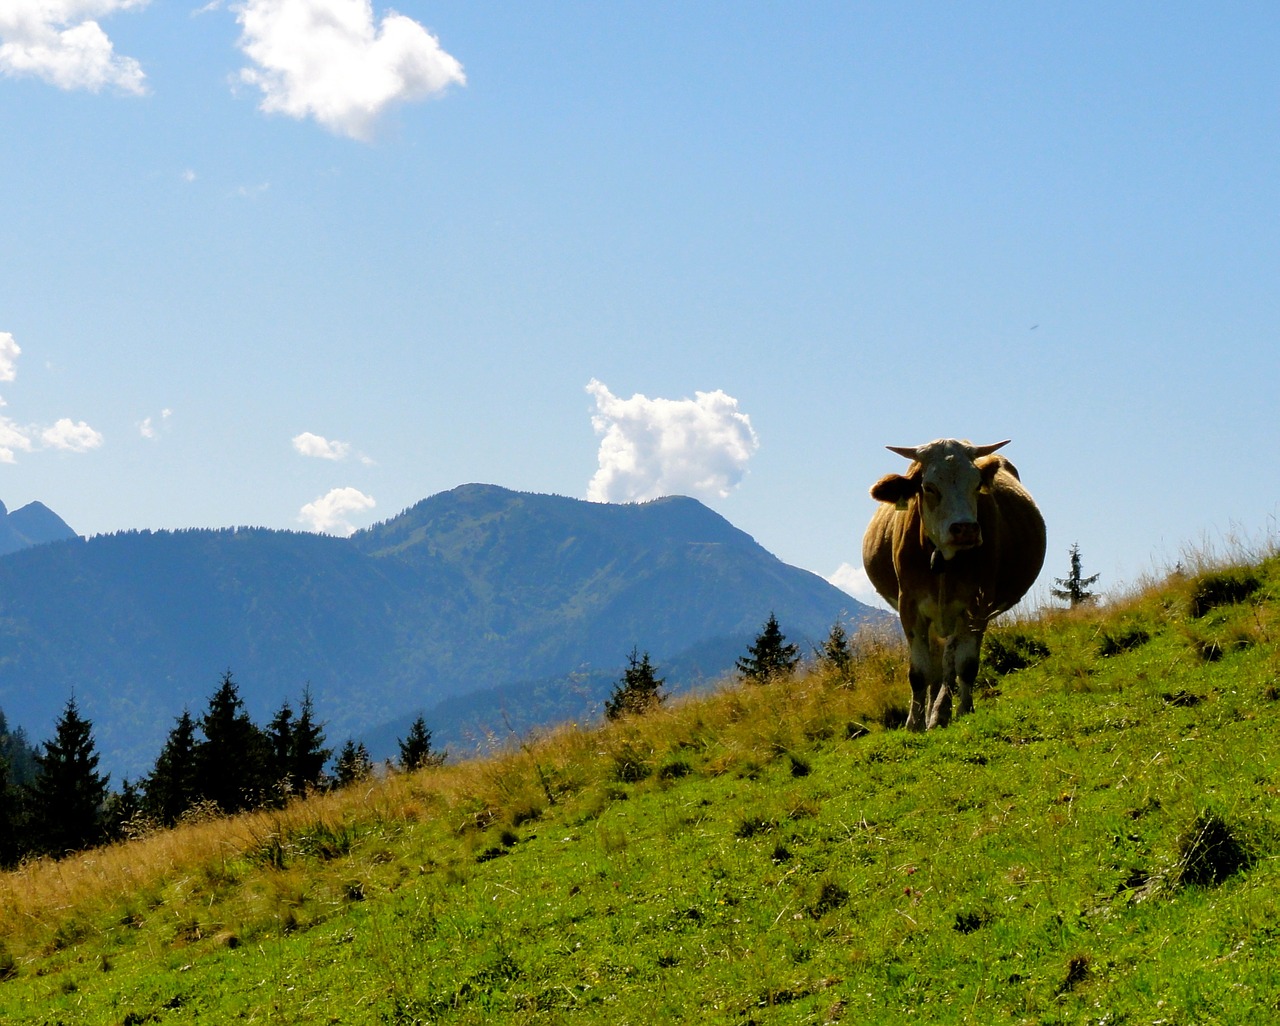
pixel 472 590
pixel 1095 843
pixel 33 524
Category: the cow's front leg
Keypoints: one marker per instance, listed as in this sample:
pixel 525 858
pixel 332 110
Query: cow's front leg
pixel 940 710
pixel 968 648
pixel 921 674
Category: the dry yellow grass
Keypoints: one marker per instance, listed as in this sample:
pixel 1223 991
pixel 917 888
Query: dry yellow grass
pixel 736 726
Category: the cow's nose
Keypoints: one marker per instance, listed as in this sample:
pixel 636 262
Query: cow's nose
pixel 966 532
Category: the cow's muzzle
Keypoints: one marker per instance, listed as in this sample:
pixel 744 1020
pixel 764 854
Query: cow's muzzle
pixel 966 534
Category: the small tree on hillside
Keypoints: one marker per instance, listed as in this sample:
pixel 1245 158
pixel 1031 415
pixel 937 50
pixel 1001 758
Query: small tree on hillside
pixel 232 761
pixel 171 787
pixel 415 750
pixel 770 657
pixel 638 691
pixel 836 652
pixel 68 793
pixel 353 764
pixel 1074 588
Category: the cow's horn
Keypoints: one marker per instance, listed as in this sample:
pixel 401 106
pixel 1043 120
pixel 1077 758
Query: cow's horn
pixel 903 450
pixel 986 450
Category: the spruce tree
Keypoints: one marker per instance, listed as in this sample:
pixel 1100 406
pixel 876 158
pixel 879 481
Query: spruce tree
pixel 10 818
pixel 298 754
pixel 835 650
pixel 309 754
pixel 232 761
pixel 638 691
pixel 415 750
pixel 770 657
pixel 172 786
pixel 68 794
pixel 353 764
pixel 1074 588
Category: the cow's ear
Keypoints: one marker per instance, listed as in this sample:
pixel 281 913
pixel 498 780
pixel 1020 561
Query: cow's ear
pixel 989 467
pixel 895 488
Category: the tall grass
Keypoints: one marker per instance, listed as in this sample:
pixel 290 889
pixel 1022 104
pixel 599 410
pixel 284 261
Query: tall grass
pixel 1095 843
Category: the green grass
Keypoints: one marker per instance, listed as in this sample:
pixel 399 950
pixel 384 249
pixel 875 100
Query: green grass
pixel 1096 844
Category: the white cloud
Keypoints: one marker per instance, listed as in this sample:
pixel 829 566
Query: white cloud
pixel 13 439
pixel 326 59
pixel 149 429
pixel 853 580
pixel 60 42
pixel 652 447
pixel 328 514
pixel 319 447
pixel 9 353
pixel 71 437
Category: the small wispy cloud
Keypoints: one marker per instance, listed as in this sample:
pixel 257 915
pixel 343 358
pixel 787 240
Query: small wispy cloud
pixel 149 428
pixel 328 514
pixel 60 42
pixel 328 60
pixel 653 447
pixel 319 447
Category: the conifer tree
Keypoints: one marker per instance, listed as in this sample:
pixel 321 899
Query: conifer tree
pixel 232 761
pixel 1074 588
pixel 298 754
pixel 353 764
pixel 309 753
pixel 415 750
pixel 638 691
pixel 67 795
pixel 770 657
pixel 10 817
pixel 835 650
pixel 172 786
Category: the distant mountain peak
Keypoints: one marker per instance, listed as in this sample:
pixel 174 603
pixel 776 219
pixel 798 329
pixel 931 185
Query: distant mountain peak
pixel 33 524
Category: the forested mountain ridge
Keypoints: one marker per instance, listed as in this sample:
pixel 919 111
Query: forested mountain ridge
pixel 472 592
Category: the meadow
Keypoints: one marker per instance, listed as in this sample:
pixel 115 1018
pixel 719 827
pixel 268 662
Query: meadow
pixel 1096 844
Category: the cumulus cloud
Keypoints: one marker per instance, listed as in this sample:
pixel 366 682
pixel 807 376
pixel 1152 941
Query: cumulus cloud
pixel 319 447
pixel 61 42
pixel 328 60
pixel 652 447
pixel 9 353
pixel 328 514
pixel 71 436
pixel 853 580
pixel 65 434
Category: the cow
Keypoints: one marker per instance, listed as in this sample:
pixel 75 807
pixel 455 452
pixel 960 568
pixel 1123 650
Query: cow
pixel 954 542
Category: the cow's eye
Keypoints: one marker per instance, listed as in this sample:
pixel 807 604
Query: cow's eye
pixel 932 493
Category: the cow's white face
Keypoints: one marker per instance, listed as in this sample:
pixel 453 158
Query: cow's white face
pixel 948 485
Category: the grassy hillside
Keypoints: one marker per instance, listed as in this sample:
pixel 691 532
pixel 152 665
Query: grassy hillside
pixel 1096 844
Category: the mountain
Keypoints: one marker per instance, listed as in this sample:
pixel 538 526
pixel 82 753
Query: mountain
pixel 481 607
pixel 33 524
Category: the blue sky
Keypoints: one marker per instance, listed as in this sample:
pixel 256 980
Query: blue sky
pixel 301 263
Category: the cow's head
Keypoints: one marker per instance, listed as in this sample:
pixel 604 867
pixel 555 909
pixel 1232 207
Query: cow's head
pixel 947 476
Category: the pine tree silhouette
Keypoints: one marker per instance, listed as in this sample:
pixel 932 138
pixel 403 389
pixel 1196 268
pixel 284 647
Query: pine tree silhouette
pixel 68 794
pixel 770 657
pixel 1074 588
pixel 638 691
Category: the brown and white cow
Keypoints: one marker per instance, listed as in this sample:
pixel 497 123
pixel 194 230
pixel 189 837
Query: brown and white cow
pixel 955 542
